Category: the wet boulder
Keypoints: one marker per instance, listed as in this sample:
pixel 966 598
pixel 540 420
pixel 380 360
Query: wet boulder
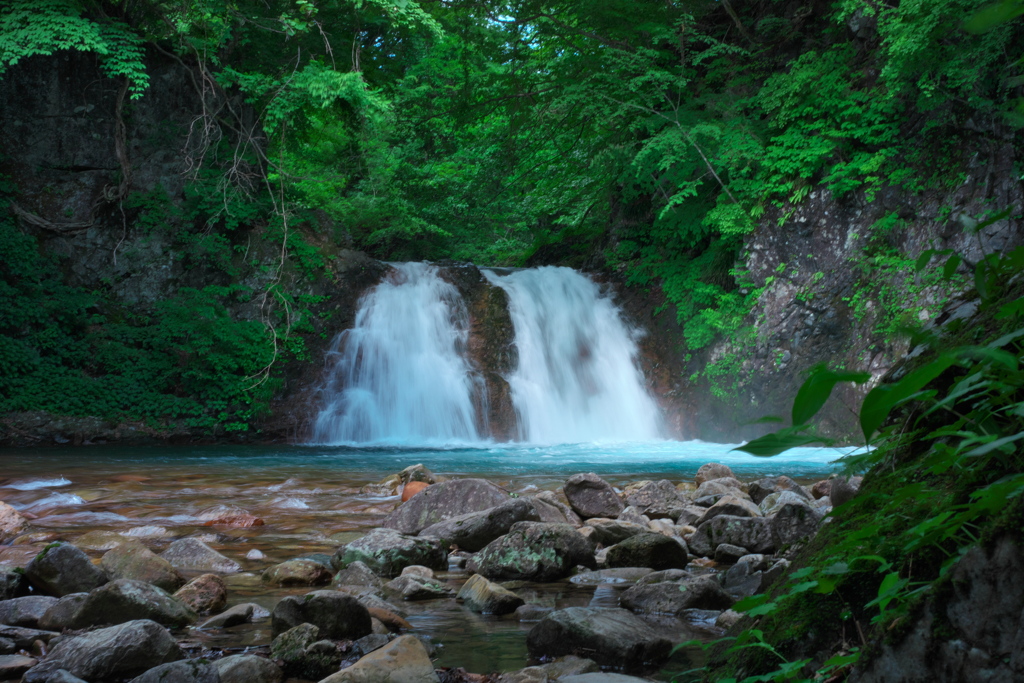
pixel 534 551
pixel 297 573
pixel 752 533
pixel 184 671
pixel 657 500
pixel 552 510
pixel 443 501
pixel 610 636
pixel 794 522
pixel 116 653
pixel 205 594
pixel 480 595
pixel 248 669
pixel 337 615
pixel 192 555
pixel 62 569
pixel 304 654
pixel 12 524
pixel 387 552
pixel 413 587
pixel 671 597
pixel 132 560
pixel 243 613
pixel 23 638
pixel 26 611
pixel 773 502
pixel 762 488
pixel 403 660
pixel 12 666
pixel 655 551
pixel 712 470
pixel 473 531
pixel 62 613
pixel 127 600
pixel 612 531
pixel 743 580
pixel 729 505
pixel 591 496
pixel 710 492
pixel 357 574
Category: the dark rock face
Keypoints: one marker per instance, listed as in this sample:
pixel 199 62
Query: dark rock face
pixel 648 550
pixel 337 615
pixel 611 637
pixel 126 600
pixel 971 631
pixel 443 501
pixel 534 551
pixel 114 653
pixel 591 496
pixel 62 569
pixel 387 552
pixel 475 530
pixel 669 597
pixel 26 611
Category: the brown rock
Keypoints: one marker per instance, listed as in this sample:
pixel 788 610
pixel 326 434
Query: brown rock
pixel 711 470
pixel 243 521
pixel 591 496
pixel 412 488
pixel 389 619
pixel 12 523
pixel 205 594
pixel 821 489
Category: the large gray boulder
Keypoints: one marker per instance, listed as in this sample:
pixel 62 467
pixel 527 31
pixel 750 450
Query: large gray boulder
pixel 794 522
pixel 731 505
pixel 443 501
pixel 712 470
pixel 357 574
pixel 413 587
pixel 192 555
pixel 114 653
pixel 657 500
pixel 534 551
pixel 338 615
pixel 610 636
pixel 248 669
pixel 474 530
pixel 184 671
pixel 297 573
pixel 26 611
pixel 611 531
pixel 132 560
pixel 649 550
pixel 480 595
pixel 403 660
pixel 752 533
pixel 62 613
pixel 304 654
pixel 205 594
pixel 591 496
pixel 670 597
pixel 61 569
pixel 388 552
pixel 127 600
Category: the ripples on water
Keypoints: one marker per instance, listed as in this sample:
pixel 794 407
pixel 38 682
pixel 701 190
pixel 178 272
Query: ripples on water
pixel 313 498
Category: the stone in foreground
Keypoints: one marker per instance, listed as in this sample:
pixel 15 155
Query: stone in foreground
pixel 668 597
pixel 481 595
pixel 649 550
pixel 338 615
pixel 205 594
pixel 248 669
pixel 534 551
pixel 192 555
pixel 185 671
pixel 132 560
pixel 752 533
pixel 26 611
pixel 62 569
pixel 444 501
pixel 403 660
pixel 117 653
pixel 388 552
pixel 297 573
pixel 473 531
pixel 610 636
pixel 591 496
pixel 127 600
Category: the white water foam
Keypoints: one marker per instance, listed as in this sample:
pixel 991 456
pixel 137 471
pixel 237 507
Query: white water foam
pixel 33 484
pixel 577 379
pixel 400 374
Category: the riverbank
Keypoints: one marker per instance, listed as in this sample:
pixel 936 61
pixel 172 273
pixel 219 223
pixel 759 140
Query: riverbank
pixel 541 557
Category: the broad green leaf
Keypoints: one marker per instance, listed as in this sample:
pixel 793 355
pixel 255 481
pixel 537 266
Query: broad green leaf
pixel 994 15
pixel 882 399
pixel 817 388
pixel 778 442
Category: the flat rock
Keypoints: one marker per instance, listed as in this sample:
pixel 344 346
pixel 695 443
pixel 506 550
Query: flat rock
pixel 61 569
pixel 205 594
pixel 62 613
pixel 413 587
pixel 444 501
pixel 192 555
pixel 23 638
pixel 127 600
pixel 248 669
pixel 184 671
pixel 611 531
pixel 611 637
pixel 12 584
pixel 297 573
pixel 480 595
pixel 357 573
pixel 534 551
pixel 239 614
pixel 474 530
pixel 387 552
pixel 337 615
pixel 132 560
pixel 591 496
pixel 119 652
pixel 649 550
pixel 675 597
pixel 729 505
pixel 26 611
pixel 403 660
pixel 752 533
pixel 12 667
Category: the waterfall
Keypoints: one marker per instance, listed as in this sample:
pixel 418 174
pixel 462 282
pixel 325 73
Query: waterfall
pixel 401 373
pixel 577 378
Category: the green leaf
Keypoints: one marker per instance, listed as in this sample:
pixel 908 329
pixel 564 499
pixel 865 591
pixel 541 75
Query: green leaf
pixel 775 443
pixel 993 445
pixel 817 388
pixel 882 399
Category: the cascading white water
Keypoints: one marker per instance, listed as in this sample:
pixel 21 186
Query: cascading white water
pixel 401 374
pixel 577 378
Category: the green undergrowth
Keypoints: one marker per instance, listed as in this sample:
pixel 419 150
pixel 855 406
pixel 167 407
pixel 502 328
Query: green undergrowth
pixel 945 474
